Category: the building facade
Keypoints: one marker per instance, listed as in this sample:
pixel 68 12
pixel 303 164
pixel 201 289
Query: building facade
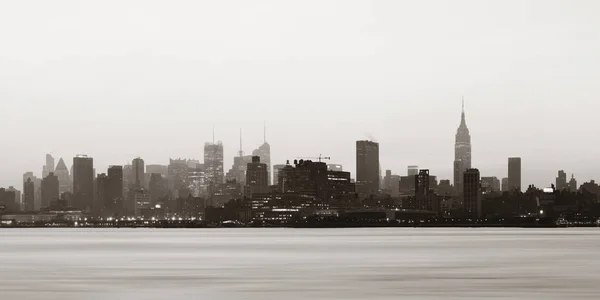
pixel 462 151
pixel 472 193
pixel 514 174
pixel 83 182
pixel 367 168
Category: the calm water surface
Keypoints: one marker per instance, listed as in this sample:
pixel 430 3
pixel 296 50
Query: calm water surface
pixel 300 264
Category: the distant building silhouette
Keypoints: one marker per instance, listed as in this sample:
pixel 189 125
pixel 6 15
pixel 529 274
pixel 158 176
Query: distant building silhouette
pixel 561 181
pixel 472 193
pixel 573 184
pixel 276 169
pixel 158 188
pixel 264 152
pixel 50 189
pixel 213 163
pixel 48 166
pixel 177 176
pixel 505 184
pixel 367 168
pixel 141 200
pixel 17 197
pixel 490 184
pixel 257 177
pixel 423 193
pixel 37 194
pixel 514 174
pixel 7 201
pixel 83 182
pixel 64 179
pixel 115 189
pixel 103 198
pixel 28 195
pixel 138 174
pixel 462 151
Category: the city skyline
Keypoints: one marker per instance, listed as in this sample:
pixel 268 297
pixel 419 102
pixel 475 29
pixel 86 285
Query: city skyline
pixel 525 74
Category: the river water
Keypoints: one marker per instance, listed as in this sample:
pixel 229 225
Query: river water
pixel 385 263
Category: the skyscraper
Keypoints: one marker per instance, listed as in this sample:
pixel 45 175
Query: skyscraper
pixel 257 176
pixel 213 163
pixel 49 163
pixel 422 191
pixel 114 195
pixel 514 174
pixel 83 182
pixel 462 151
pixel 28 195
pixel 138 179
pixel 490 184
pixel 157 188
pixel 561 181
pixel 472 193
pixel 367 168
pixel 64 180
pixel 50 190
pixel 276 169
pixel 7 201
pixel 573 184
pixel 103 201
pixel 264 153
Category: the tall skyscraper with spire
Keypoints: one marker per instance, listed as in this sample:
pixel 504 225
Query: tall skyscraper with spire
pixel 462 151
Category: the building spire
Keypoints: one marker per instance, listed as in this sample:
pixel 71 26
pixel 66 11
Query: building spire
pixel 463 121
pixel 241 151
pixel 213 134
pixel 265 131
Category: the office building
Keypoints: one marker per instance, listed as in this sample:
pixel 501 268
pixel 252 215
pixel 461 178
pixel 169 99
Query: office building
pixel 276 169
pixel 423 194
pixel 28 195
pixel 142 205
pixel 264 152
pixel 49 164
pixel 138 173
pixel 103 201
pixel 472 193
pixel 83 182
pixel 573 184
pixel 115 189
pixel 50 190
pixel 367 168
pixel 514 174
pixel 7 201
pixel 490 185
pixel 561 181
pixel 158 188
pixel 213 163
pixel 64 179
pixel 257 177
pixel 462 151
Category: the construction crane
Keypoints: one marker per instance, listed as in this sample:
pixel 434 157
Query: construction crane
pixel 319 158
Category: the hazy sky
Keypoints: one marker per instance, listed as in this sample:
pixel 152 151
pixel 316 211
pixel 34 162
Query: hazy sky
pixel 120 79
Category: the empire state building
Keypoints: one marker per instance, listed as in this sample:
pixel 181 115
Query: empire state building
pixel 462 152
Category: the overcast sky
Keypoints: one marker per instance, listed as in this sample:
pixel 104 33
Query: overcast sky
pixel 120 79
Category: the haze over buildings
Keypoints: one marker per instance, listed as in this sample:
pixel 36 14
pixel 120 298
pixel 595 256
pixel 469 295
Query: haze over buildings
pixel 393 69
